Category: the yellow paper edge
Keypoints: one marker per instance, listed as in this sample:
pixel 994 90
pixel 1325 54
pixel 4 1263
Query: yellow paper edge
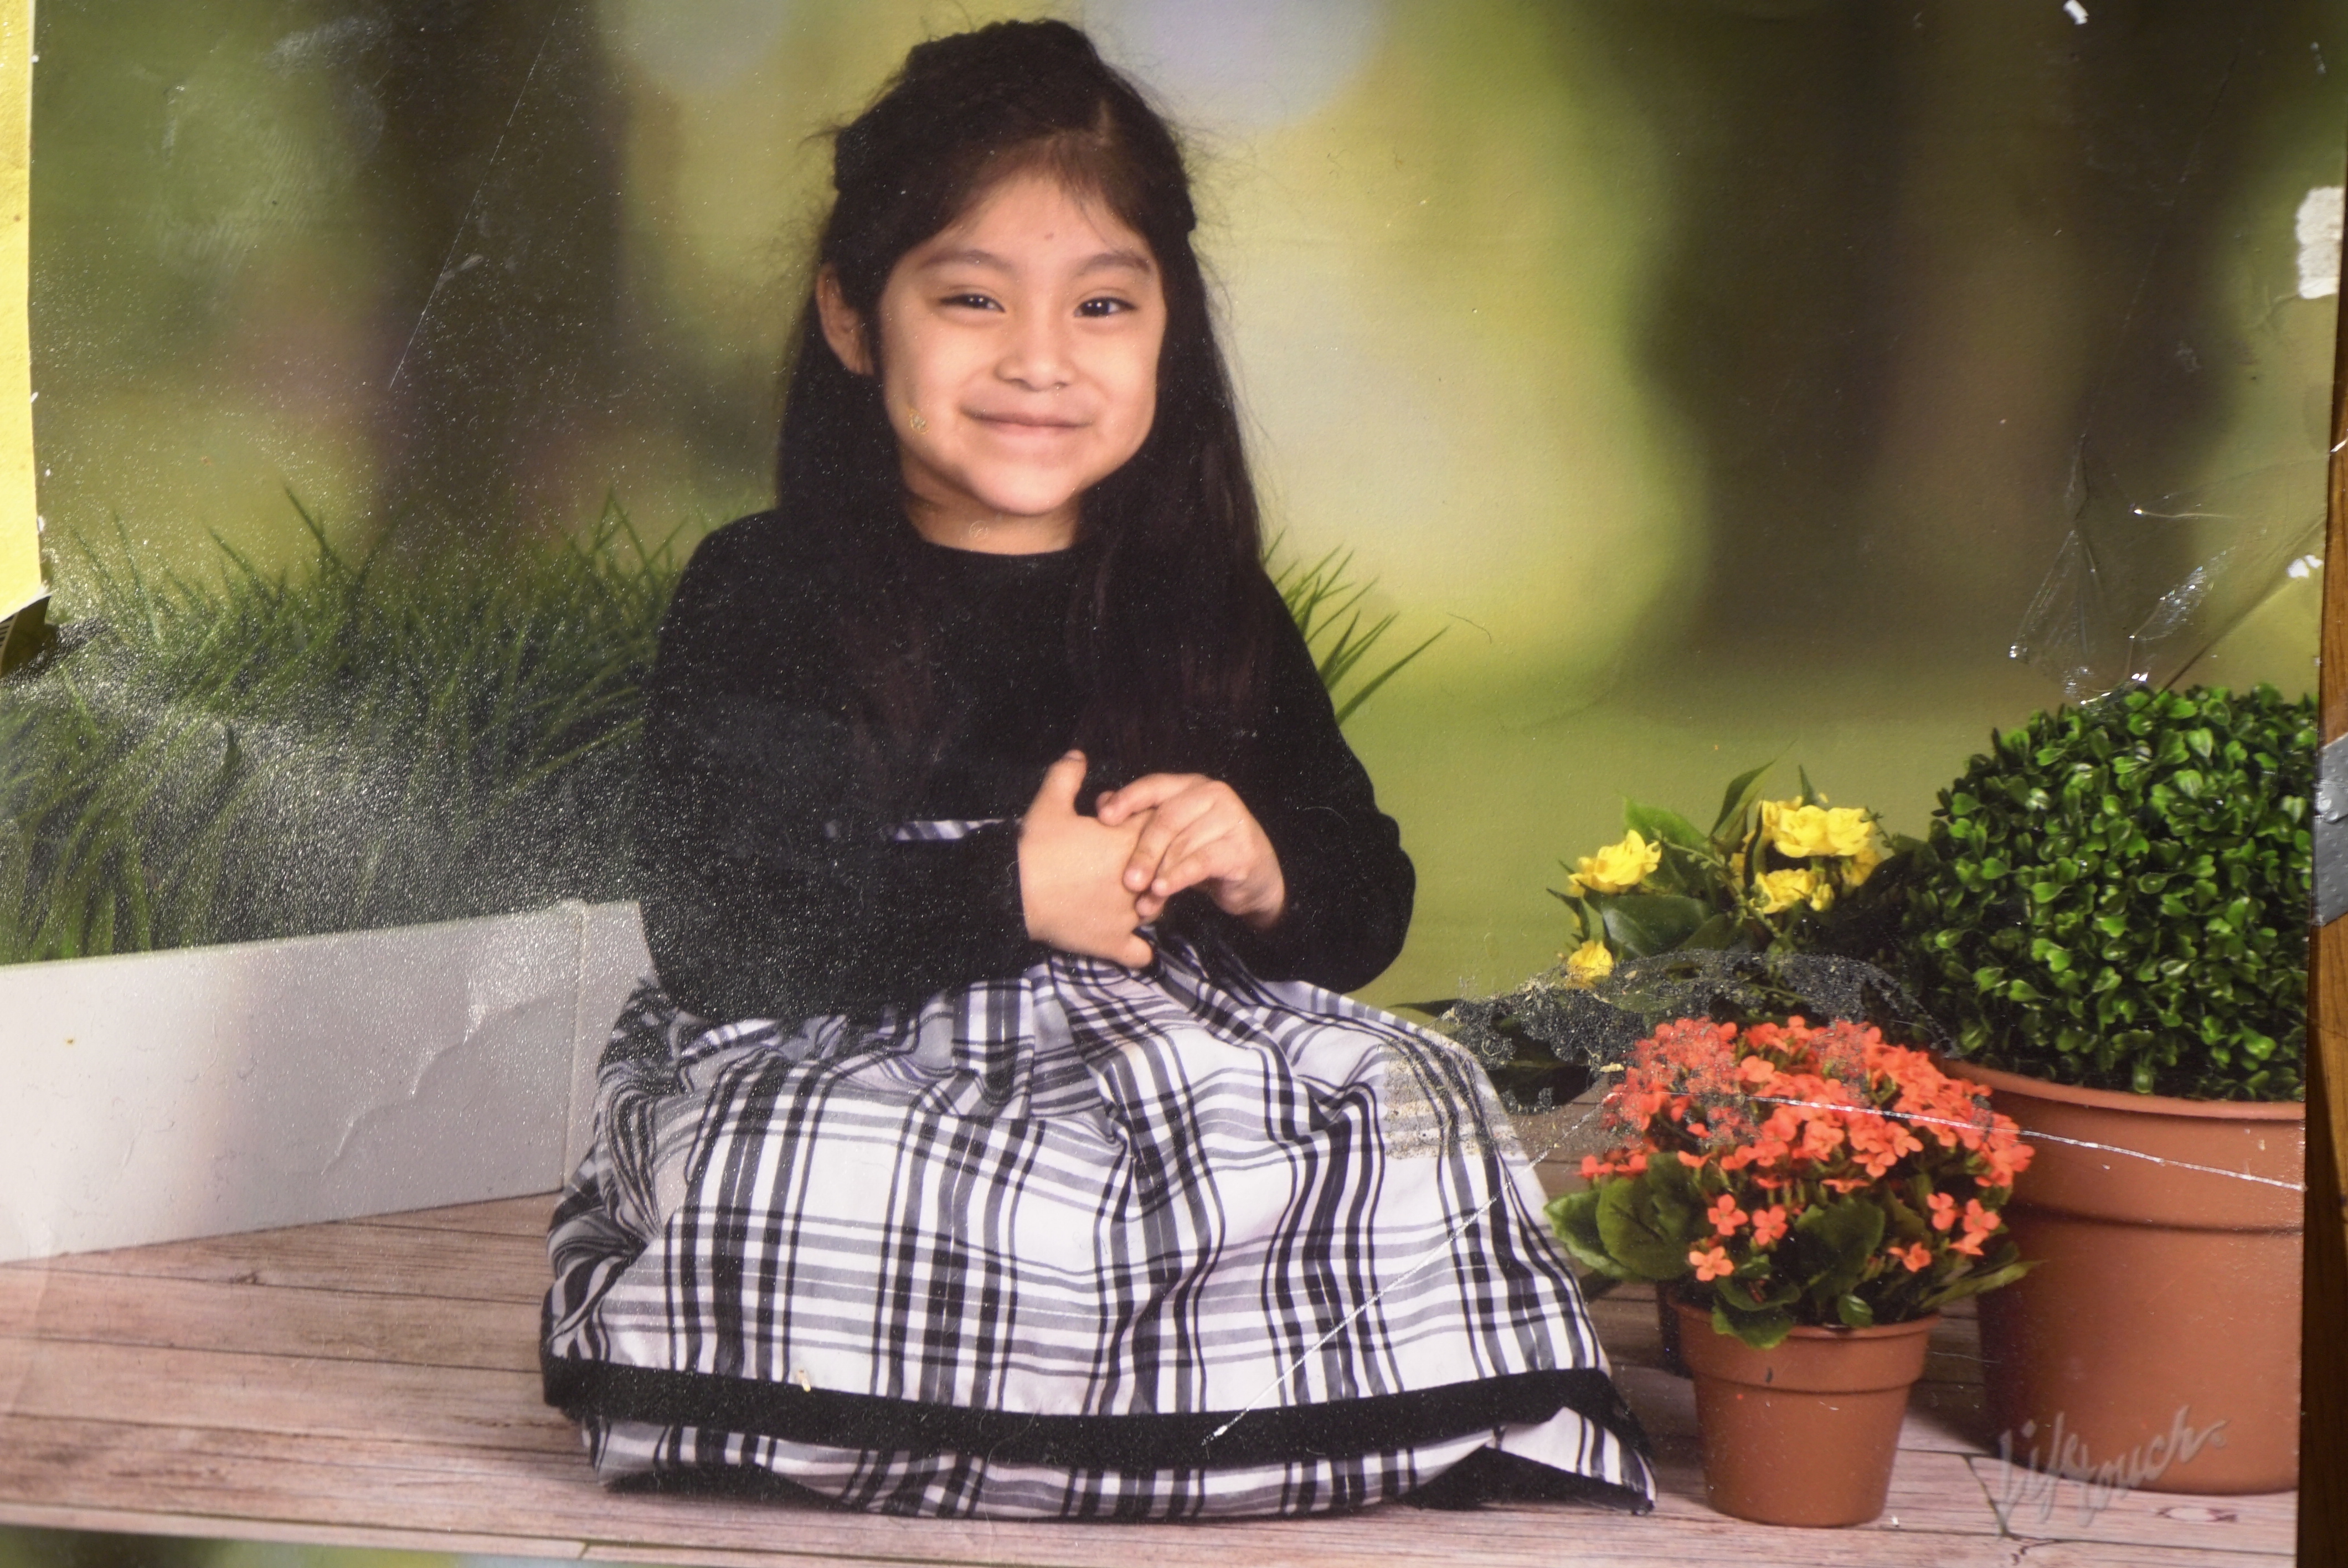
pixel 20 537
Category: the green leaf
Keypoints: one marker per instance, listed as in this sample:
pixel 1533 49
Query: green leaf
pixel 1636 1236
pixel 1326 602
pixel 1715 935
pixel 1743 791
pixel 1640 925
pixel 1660 826
pixel 1830 1244
pixel 1975 1283
pixel 1678 1201
pixel 1903 1220
pixel 1763 1329
pixel 1574 1218
pixel 1854 1312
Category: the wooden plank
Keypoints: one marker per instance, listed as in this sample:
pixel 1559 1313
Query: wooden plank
pixel 1932 1493
pixel 201 1315
pixel 1529 1537
pixel 311 1390
pixel 228 1474
pixel 234 1478
pixel 204 1527
pixel 2102 1554
pixel 328 1401
pixel 442 1266
pixel 28 1443
pixel 1551 1539
pixel 370 1481
pixel 526 1216
pixel 2051 1508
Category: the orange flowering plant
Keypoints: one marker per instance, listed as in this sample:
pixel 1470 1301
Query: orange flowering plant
pixel 1796 1175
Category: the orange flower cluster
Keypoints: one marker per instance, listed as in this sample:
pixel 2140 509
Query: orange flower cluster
pixel 1773 1119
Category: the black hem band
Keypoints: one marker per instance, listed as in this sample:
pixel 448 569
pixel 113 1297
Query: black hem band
pixel 1377 1423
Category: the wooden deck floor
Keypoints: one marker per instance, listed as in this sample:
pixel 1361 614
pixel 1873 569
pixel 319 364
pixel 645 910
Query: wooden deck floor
pixel 374 1383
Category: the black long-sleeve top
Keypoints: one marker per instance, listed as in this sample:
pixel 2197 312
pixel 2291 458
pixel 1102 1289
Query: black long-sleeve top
pixel 772 889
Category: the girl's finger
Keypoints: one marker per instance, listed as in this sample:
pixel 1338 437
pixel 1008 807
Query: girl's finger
pixel 1057 795
pixel 1203 856
pixel 1151 865
pixel 1168 824
pixel 1144 793
pixel 1185 874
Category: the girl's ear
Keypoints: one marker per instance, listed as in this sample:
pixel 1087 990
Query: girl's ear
pixel 843 329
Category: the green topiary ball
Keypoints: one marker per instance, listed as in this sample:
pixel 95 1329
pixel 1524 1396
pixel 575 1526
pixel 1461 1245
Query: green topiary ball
pixel 2116 897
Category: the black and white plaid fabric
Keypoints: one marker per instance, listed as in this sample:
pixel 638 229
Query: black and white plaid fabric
pixel 1085 1243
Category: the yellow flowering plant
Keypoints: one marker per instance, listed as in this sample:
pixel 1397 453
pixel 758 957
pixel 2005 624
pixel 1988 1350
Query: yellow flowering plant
pixel 1792 876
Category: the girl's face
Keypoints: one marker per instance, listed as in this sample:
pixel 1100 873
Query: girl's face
pixel 1018 353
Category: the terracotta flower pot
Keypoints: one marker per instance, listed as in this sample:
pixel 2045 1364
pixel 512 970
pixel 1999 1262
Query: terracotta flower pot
pixel 1806 1433
pixel 2156 1343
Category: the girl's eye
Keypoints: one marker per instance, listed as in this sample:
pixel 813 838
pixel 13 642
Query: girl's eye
pixel 972 302
pixel 1103 307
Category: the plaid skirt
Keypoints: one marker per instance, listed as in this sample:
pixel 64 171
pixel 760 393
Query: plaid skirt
pixel 1083 1242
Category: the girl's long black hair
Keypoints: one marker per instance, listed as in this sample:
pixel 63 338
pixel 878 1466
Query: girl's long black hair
pixel 1169 627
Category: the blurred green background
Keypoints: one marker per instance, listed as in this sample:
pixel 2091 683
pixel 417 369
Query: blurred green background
pixel 1729 379
pixel 1727 376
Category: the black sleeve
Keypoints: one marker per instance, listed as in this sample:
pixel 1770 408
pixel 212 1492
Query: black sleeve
pixel 1350 886
pixel 769 889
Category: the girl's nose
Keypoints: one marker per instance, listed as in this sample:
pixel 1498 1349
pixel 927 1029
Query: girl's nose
pixel 1038 354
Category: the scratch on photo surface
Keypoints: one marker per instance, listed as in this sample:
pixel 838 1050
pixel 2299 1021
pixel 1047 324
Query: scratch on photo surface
pixel 496 149
pixel 1440 1250
pixel 2042 1138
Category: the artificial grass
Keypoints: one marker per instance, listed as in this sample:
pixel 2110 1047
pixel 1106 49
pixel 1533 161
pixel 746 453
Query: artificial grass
pixel 353 747
pixel 366 744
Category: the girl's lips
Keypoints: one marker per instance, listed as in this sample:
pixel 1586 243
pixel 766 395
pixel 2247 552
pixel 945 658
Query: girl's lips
pixel 1016 422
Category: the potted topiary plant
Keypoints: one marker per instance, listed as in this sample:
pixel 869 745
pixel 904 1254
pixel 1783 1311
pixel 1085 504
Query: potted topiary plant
pixel 1809 1198
pixel 2111 917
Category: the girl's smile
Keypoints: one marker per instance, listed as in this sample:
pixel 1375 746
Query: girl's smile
pixel 1018 356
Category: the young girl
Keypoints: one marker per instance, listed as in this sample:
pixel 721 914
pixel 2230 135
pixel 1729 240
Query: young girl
pixel 977 1153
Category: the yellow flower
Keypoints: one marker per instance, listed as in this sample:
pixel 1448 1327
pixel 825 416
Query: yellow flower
pixel 1618 868
pixel 1822 897
pixel 1801 832
pixel 1590 962
pixel 1795 830
pixel 1862 863
pixel 1778 890
pixel 1849 828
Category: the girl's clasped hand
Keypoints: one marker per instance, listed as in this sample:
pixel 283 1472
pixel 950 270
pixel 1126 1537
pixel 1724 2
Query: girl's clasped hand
pixel 1087 882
